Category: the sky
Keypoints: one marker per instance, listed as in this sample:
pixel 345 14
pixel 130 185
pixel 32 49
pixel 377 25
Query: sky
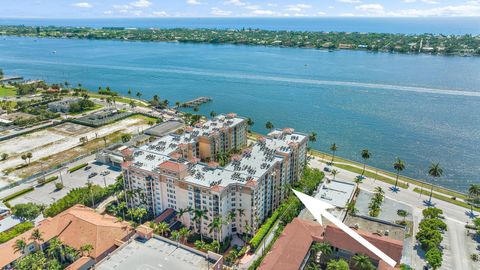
pixel 236 8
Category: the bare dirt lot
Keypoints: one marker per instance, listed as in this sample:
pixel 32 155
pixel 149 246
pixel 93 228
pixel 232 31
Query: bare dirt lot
pixel 54 146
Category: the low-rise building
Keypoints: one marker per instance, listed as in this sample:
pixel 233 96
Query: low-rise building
pixel 62 105
pixel 148 251
pixel 75 227
pixel 292 249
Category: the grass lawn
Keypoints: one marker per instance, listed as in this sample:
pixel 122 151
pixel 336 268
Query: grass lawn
pixel 7 91
pixel 96 107
pixel 371 175
pixel 426 192
pixel 400 179
pixel 121 99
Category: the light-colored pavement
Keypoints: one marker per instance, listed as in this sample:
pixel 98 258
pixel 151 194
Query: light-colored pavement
pixel 47 193
pixel 456 218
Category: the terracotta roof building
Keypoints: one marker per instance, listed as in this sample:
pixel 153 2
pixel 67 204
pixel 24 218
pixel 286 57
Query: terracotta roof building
pixel 291 250
pixel 75 227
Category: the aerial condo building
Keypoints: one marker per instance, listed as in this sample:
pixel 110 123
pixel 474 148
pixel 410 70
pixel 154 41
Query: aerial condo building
pixel 210 167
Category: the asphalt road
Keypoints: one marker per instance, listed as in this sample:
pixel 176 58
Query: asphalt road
pixel 458 246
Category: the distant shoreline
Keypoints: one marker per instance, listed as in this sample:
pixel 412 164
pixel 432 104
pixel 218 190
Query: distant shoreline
pixel 447 45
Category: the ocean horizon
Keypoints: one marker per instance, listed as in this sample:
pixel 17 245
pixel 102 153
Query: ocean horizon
pixel 406 25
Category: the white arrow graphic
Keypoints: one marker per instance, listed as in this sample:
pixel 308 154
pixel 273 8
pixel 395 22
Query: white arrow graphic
pixel 319 209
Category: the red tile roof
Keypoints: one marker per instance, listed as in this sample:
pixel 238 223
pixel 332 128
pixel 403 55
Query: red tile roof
pixel 294 243
pixel 292 246
pixel 126 152
pixel 173 166
pixel 164 215
pixel 75 227
pixel 338 238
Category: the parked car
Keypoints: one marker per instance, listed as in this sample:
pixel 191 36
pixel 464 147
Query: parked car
pixel 327 169
pixel 88 168
pixel 92 175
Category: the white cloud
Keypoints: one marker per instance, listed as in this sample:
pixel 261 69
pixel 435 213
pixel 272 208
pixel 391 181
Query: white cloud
pixel 424 1
pixel 409 1
pixel 446 11
pixel 252 7
pixel 321 13
pixel 107 12
pixel 82 5
pixel 193 2
pixel 263 12
pixel 235 3
pixel 371 9
pixel 121 7
pixel 474 2
pixel 137 12
pixel 219 12
pixel 160 13
pixel 349 1
pixel 298 7
pixel 141 4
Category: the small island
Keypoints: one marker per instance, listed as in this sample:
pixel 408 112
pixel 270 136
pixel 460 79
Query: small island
pixel 435 44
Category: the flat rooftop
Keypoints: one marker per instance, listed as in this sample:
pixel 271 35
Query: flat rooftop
pixel 164 128
pixel 336 193
pixel 153 254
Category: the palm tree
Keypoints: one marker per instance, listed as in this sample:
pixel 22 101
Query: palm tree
pixel 358 180
pixel 334 172
pixel 36 236
pixel 24 158
pixel 213 114
pixel 269 125
pixel 315 248
pixel 162 228
pixel 334 149
pixel 313 266
pixel 434 171
pixel 362 262
pixel 200 245
pixel 184 233
pixel 241 213
pixel 399 166
pixel 325 248
pixel 365 155
pixel 250 122
pixel 86 248
pixel 198 215
pixel 129 92
pixel 139 94
pixel 231 216
pixel 312 137
pixel 402 213
pixel 55 249
pixel 474 194
pixel 176 236
pixel 183 211
pixel 379 190
pixel 216 226
pixel 20 246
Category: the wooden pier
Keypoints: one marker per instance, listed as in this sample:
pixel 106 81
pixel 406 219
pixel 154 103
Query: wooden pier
pixel 196 102
pixel 6 79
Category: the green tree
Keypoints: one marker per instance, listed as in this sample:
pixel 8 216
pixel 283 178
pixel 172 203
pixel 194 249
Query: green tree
pixel 27 211
pixel 184 233
pixel 340 264
pixel 334 172
pixel 1 73
pixel 435 171
pixel 362 262
pixel 312 137
pixel 198 216
pixel 216 226
pixel 126 137
pixel 139 94
pixel 86 249
pixel 20 245
pixel 365 154
pixel 432 212
pixel 402 213
pixel 250 122
pixel 162 228
pixel 213 114
pixel 399 166
pixel 36 237
pixel 474 195
pixel 176 237
pixel 434 258
pixel 129 92
pixel 269 125
pixel 334 149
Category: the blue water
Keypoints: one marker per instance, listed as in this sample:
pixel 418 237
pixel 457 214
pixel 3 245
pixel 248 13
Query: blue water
pixel 421 108
pixel 457 25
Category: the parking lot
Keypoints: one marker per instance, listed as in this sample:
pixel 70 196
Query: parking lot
pixel 47 193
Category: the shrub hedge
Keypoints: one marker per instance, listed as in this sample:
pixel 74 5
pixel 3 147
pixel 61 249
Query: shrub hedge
pixel 16 194
pixel 78 167
pixel 15 231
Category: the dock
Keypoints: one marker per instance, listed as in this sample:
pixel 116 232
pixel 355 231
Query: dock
pixel 196 102
pixel 12 78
